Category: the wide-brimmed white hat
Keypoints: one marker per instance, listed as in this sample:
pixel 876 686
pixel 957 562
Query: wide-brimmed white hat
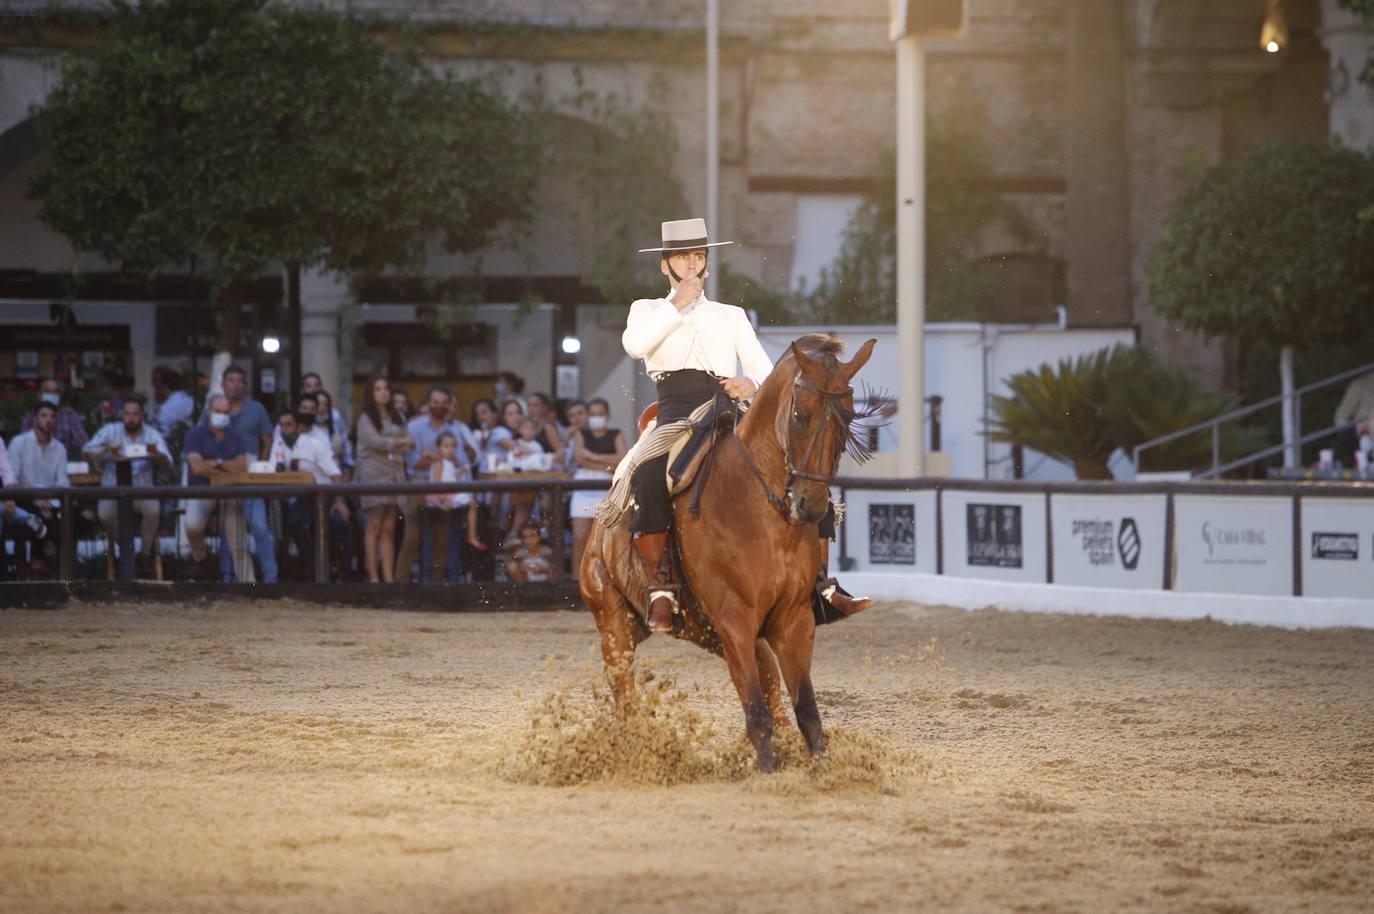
pixel 684 235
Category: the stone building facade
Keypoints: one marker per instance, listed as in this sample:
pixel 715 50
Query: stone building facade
pixel 1093 113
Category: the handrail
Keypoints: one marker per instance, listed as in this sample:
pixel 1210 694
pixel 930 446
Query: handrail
pixel 1215 424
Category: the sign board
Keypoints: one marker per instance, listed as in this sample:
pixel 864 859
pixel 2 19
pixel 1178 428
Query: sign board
pixel 1233 544
pixel 996 535
pixel 1108 540
pixel 912 18
pixel 890 531
pixel 1337 547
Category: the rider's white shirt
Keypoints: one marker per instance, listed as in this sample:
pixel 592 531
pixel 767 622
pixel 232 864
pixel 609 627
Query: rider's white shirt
pixel 705 335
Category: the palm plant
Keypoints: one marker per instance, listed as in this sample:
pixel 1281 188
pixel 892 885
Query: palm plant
pixel 1059 412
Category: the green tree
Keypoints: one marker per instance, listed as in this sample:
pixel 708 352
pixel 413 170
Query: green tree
pixel 226 136
pixel 1271 248
pixel 861 285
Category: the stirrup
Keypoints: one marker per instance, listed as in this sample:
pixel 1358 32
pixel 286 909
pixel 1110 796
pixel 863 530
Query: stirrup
pixel 657 592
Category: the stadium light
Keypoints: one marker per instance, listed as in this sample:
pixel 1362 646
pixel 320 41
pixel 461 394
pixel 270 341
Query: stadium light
pixel 271 345
pixel 571 345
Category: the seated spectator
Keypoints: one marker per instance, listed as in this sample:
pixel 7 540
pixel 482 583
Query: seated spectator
pixel 1354 415
pixel 69 430
pixel 110 442
pixel 576 414
pixel 216 450
pixel 169 406
pixel 299 449
pixel 306 414
pixel 11 515
pixel 550 432
pixel 532 560
pixel 40 462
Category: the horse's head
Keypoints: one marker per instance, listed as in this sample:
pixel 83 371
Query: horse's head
pixel 816 422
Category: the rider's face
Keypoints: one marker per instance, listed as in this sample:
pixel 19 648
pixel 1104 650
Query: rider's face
pixel 684 264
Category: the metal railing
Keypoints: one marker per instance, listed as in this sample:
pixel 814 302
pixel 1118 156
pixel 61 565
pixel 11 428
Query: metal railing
pixel 1215 424
pixel 322 495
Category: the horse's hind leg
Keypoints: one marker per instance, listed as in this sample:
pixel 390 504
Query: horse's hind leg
pixel 793 644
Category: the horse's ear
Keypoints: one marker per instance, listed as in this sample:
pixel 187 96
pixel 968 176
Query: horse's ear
pixel 860 359
pixel 803 361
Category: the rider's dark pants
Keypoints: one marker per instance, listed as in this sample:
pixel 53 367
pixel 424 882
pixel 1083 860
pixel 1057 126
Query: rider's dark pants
pixel 679 392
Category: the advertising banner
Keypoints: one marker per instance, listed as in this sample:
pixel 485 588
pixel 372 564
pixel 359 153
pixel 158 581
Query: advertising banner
pixel 890 531
pixel 1337 547
pixel 995 535
pixel 1234 544
pixel 1108 540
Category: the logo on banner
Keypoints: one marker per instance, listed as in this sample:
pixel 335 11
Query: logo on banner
pixel 994 535
pixel 1104 542
pixel 892 534
pixel 1341 546
pixel 1228 545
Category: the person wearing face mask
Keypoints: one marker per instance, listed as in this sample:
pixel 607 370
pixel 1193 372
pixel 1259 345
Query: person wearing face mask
pixel 306 413
pixel 68 429
pixel 216 450
pixel 111 441
pixel 598 450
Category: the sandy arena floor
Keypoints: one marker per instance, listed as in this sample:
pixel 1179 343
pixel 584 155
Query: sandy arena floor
pixel 285 758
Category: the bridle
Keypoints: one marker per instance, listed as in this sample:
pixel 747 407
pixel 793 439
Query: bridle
pixel 831 409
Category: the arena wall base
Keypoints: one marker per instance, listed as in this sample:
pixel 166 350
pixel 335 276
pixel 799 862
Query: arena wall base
pixel 971 593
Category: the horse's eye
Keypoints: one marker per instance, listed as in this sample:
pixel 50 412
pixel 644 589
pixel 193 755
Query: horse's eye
pixel 798 416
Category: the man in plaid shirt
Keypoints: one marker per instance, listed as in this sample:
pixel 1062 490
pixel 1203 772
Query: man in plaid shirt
pixel 68 430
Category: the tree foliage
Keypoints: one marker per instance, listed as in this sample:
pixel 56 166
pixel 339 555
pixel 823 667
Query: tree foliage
pixel 1270 246
pixel 1083 409
pixel 861 286
pixel 229 135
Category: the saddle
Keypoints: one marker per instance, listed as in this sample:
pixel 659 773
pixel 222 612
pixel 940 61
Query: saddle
pixel 689 459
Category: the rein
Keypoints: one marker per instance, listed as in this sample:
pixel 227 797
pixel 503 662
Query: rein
pixel 783 503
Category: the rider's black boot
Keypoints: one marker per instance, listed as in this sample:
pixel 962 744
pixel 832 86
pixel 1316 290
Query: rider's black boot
pixel 830 602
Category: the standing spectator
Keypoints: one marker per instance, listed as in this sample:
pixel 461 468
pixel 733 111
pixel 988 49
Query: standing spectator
pixel 248 416
pixel 550 432
pixel 301 450
pixel 383 443
pixel 510 386
pixel 311 384
pixel 425 429
pixel 306 415
pixel 169 406
pixel 335 429
pixel 576 414
pixel 599 451
pixel 217 450
pixel 11 513
pixel 110 442
pixel 489 433
pixel 401 405
pixel 40 462
pixel 69 430
pixel 341 524
pixel 439 508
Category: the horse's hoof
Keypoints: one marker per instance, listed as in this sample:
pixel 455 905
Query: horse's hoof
pixel 767 763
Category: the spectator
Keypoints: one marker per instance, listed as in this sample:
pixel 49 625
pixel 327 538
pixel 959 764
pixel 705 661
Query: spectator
pixel 576 414
pixel 550 432
pixel 248 417
pixel 510 386
pixel 1355 414
pixel 69 430
pixel 11 513
pixel 306 415
pixel 383 443
pixel 40 462
pixel 169 406
pixel 599 451
pixel 425 430
pixel 401 405
pixel 110 442
pixel 299 449
pixel 217 450
pixel 489 432
pixel 532 560
pixel 342 551
pixel 310 384
pixel 447 466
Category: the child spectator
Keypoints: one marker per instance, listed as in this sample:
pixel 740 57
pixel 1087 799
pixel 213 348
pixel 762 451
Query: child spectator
pixel 532 559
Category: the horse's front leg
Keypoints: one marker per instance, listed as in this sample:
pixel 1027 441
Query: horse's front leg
pixel 793 639
pixel 615 621
pixel 771 681
pixel 744 672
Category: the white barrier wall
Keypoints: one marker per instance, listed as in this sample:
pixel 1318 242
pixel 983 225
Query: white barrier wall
pixel 995 535
pixel 1337 546
pixel 1233 545
pixel 891 531
pixel 1108 541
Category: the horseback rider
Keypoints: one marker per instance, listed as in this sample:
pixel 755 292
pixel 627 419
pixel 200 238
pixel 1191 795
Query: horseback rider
pixel 690 346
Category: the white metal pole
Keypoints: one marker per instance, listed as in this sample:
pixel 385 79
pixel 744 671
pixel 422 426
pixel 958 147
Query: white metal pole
pixel 712 131
pixel 911 256
pixel 1291 451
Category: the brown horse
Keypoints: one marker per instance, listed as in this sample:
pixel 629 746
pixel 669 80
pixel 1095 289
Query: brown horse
pixel 751 550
